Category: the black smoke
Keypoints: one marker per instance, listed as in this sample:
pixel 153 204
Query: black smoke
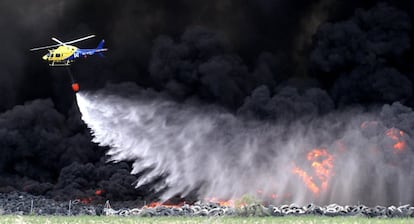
pixel 200 65
pixel 287 104
pixel 358 54
pixel 44 152
pixel 367 38
pixel 258 59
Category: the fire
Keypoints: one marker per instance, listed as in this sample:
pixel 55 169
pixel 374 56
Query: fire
pixel 99 192
pixel 323 168
pixel 90 199
pixel 241 202
pixel 273 196
pixel 266 195
pixel 397 135
pixel 153 204
pixel 322 165
pixel 164 204
pixel 307 179
pixel 86 201
pixel 226 203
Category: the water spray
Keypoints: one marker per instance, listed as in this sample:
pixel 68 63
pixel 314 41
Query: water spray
pixel 332 159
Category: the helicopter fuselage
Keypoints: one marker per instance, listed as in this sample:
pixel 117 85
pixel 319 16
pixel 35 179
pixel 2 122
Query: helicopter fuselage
pixel 66 54
pixel 61 55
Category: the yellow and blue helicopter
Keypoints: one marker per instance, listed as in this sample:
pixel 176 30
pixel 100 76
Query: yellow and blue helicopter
pixel 65 53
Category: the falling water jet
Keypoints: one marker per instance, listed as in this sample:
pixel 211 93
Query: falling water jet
pixel 233 157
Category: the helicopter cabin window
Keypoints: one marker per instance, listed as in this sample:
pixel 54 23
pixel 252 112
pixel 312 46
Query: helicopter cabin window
pixel 51 55
pixel 57 55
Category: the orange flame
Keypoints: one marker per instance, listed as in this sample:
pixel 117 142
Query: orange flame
pixel 165 204
pixel 153 204
pixel 88 200
pixel 322 165
pixel 397 135
pixel 85 201
pixel 221 202
pixel 306 179
pixel 99 192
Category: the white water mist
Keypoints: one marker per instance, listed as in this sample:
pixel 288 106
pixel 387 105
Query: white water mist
pixel 203 149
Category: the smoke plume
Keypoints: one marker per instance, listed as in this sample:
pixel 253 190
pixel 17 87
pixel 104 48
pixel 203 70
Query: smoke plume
pixel 44 153
pixel 362 50
pixel 252 86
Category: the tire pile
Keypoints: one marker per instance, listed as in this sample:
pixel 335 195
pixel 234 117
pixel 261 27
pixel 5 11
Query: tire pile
pixel 213 209
pixel 26 204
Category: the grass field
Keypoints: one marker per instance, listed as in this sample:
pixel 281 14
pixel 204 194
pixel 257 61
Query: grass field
pixel 190 220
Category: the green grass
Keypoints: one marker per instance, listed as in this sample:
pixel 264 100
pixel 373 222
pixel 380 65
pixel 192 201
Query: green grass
pixel 6 219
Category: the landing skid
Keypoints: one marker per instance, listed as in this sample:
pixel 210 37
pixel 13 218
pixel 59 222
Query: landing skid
pixel 63 63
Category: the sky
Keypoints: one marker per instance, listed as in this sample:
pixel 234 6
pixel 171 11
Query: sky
pixel 268 61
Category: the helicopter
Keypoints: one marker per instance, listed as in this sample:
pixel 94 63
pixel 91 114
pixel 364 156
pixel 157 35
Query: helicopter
pixel 65 53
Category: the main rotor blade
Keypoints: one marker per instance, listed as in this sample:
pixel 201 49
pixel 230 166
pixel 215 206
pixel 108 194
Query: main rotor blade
pixel 80 39
pixel 62 43
pixel 56 40
pixel 45 47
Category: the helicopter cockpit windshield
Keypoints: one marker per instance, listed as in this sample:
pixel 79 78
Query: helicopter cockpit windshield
pixel 46 56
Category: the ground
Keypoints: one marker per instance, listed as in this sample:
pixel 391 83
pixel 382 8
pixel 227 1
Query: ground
pixel 6 219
